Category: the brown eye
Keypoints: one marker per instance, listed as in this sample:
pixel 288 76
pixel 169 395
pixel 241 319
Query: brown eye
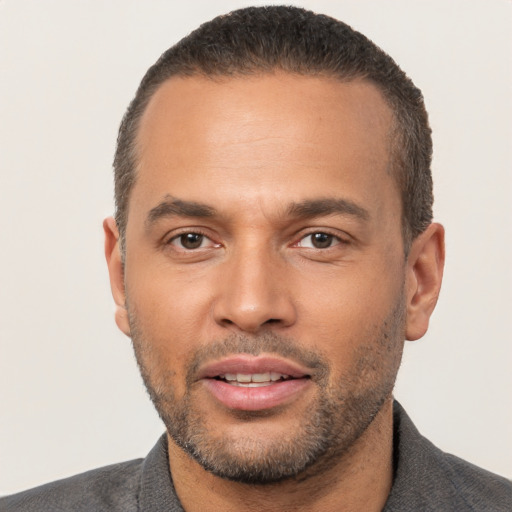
pixel 189 241
pixel 321 240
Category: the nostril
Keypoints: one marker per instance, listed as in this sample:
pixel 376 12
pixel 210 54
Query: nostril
pixel 272 321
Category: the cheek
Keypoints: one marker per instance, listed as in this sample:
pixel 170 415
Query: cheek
pixel 169 312
pixel 349 314
pixel 347 298
pixel 167 296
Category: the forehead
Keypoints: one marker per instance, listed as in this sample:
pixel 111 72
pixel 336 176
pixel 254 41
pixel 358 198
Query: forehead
pixel 281 132
pixel 337 108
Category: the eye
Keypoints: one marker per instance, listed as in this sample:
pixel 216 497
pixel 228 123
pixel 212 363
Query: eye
pixel 319 240
pixel 191 241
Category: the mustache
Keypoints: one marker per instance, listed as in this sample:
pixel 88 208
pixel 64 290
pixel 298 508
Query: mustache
pixel 268 343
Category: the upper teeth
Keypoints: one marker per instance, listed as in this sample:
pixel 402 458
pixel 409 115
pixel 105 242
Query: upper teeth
pixel 244 378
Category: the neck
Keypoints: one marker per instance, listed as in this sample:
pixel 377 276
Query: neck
pixel 361 479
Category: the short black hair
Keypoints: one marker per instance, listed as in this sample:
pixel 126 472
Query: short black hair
pixel 259 40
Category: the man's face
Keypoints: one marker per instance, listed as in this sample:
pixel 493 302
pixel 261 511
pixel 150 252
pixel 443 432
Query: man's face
pixel 264 271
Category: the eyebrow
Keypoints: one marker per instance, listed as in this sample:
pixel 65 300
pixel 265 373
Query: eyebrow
pixel 171 207
pixel 327 206
pixel 310 208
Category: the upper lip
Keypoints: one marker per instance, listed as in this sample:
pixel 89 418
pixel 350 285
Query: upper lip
pixel 246 364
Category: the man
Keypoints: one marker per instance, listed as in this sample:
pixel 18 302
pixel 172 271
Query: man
pixel 272 249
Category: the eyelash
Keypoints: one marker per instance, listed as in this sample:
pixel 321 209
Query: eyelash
pixel 190 232
pixel 334 238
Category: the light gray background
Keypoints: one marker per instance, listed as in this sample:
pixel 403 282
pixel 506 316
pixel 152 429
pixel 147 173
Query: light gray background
pixel 71 397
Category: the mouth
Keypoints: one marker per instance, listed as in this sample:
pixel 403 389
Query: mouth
pixel 254 383
pixel 254 380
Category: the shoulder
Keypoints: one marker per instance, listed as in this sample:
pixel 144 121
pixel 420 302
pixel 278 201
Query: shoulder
pixel 480 489
pixel 112 488
pixel 428 479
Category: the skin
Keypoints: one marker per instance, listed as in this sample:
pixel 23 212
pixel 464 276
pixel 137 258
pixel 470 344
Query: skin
pixel 249 148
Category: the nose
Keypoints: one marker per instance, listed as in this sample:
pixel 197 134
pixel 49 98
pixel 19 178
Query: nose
pixel 253 294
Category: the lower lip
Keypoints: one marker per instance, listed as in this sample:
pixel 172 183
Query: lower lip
pixel 255 399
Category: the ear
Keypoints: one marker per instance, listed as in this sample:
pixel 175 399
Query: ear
pixel 425 265
pixel 116 273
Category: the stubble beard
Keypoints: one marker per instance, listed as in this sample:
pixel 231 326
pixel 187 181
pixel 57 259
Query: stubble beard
pixel 341 413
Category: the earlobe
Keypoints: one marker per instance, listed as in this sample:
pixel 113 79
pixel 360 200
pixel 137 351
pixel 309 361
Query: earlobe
pixel 425 266
pixel 116 273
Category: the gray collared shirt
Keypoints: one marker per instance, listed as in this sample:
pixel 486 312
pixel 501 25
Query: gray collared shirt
pixel 426 479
